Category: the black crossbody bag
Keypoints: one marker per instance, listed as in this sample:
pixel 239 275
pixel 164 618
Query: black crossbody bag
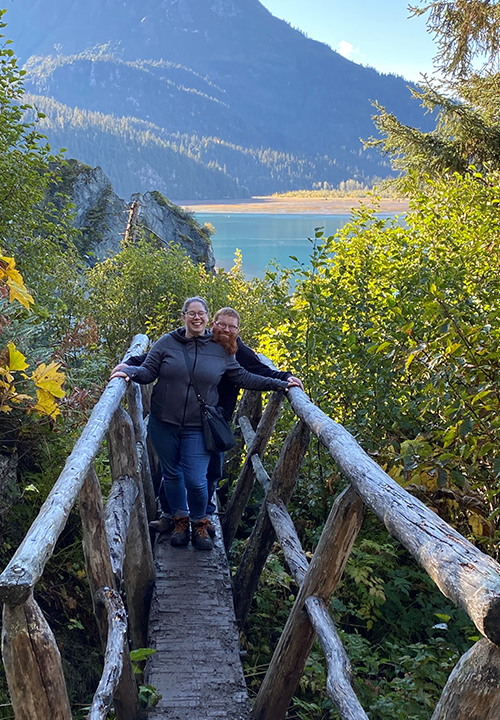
pixel 216 429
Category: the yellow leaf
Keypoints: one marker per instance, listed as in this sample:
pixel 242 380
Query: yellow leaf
pixel 8 377
pixel 476 523
pixel 5 408
pixel 46 404
pixel 19 292
pixel 19 397
pixel 17 361
pixel 49 379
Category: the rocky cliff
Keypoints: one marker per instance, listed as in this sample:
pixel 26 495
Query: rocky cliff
pixel 102 216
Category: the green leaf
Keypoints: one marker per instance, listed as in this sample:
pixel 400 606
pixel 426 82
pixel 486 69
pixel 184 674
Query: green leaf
pixel 466 427
pixel 141 654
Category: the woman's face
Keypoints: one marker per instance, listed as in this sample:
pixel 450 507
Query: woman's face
pixel 195 319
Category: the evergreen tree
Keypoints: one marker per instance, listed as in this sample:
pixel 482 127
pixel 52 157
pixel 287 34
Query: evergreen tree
pixel 465 100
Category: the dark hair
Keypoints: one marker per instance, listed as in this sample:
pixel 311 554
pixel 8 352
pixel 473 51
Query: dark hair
pixel 190 300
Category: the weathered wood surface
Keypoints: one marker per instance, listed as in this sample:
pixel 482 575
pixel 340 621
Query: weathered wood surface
pixel 321 579
pixel 136 412
pixel 259 545
pixel 197 666
pixel 33 664
pixel 287 536
pixel 244 485
pixel 27 565
pixel 113 658
pixel 95 540
pixel 247 430
pixel 100 572
pixel 462 572
pixel 473 688
pixel 338 684
pixel 138 568
pixel 119 506
pixel 258 468
pixel 250 406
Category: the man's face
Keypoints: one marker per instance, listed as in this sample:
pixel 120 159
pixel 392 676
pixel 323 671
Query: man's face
pixel 225 330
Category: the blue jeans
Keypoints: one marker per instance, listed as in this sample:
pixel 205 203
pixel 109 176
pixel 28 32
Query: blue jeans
pixel 214 475
pixel 184 461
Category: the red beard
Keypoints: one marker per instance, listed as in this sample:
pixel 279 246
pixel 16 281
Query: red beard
pixel 228 342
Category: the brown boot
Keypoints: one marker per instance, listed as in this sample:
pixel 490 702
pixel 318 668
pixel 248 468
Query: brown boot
pixel 211 530
pixel 199 535
pixel 180 533
pixel 165 524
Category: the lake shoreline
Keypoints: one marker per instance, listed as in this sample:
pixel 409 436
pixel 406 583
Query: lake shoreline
pixel 292 205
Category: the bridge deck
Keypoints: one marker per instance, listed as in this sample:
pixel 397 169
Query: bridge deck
pixel 197 667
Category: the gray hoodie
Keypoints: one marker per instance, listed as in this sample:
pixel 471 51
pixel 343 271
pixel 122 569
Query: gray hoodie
pixel 174 399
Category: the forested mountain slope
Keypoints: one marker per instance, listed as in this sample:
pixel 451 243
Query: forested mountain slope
pixel 226 73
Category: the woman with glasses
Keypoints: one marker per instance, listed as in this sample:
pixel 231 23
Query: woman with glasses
pixel 175 419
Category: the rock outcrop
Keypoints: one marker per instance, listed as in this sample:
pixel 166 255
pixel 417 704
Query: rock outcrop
pixel 102 217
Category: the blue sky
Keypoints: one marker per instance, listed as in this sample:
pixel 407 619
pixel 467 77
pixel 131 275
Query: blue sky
pixel 376 33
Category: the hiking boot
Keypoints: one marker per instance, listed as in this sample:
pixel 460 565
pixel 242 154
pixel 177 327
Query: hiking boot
pixel 165 524
pixel 199 535
pixel 211 527
pixel 180 533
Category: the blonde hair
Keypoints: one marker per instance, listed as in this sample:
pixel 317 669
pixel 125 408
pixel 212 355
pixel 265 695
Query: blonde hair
pixel 231 312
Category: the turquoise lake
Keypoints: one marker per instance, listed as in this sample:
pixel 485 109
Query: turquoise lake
pixel 263 237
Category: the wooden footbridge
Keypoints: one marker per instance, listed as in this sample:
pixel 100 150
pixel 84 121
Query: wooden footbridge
pixel 182 602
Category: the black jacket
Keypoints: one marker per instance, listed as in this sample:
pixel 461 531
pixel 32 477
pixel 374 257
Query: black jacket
pixel 174 399
pixel 227 389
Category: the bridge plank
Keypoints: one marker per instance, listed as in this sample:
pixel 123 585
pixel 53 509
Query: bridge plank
pixel 197 667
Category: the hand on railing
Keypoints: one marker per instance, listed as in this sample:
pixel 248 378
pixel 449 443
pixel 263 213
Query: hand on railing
pixel 294 382
pixel 119 373
pixel 120 366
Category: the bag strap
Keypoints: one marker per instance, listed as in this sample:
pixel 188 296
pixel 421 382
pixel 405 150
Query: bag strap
pixel 191 376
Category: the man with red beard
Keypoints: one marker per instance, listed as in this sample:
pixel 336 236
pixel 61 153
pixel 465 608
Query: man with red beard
pixel 225 328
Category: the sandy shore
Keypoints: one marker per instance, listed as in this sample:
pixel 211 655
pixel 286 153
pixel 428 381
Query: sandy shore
pixel 290 205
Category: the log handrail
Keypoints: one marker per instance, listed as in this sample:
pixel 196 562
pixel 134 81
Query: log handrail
pixel 462 572
pixel 119 532
pixel 26 567
pixel 34 668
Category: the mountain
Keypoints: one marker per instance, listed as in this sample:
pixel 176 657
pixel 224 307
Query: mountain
pixel 247 103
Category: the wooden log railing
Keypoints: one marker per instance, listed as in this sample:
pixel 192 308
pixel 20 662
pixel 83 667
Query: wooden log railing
pixel 118 554
pixel 116 547
pixel 462 572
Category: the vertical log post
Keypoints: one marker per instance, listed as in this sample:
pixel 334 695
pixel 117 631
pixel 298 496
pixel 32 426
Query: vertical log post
pixel 250 406
pixel 136 412
pixel 139 574
pixel 260 542
pixel 324 573
pixel 33 664
pixel 243 489
pixel 100 575
pixel 473 688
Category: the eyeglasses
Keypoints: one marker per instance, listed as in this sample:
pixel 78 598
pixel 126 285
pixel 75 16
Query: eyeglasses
pixel 225 326
pixel 192 314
